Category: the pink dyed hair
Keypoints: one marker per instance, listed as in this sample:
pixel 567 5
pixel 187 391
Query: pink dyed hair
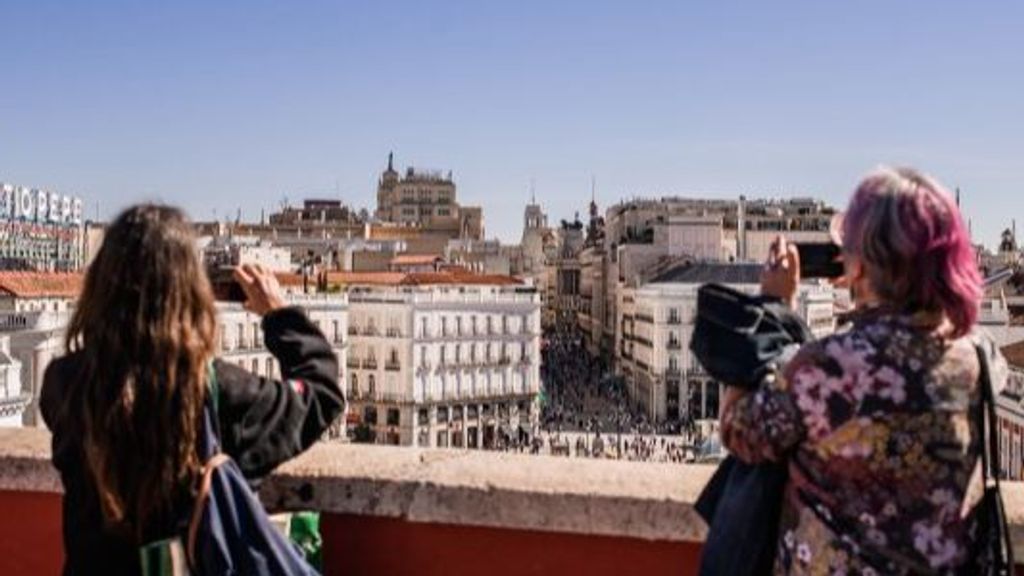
pixel 908 231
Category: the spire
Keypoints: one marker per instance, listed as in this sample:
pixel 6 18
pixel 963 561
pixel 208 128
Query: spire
pixel 391 157
pixel 958 197
pixel 533 193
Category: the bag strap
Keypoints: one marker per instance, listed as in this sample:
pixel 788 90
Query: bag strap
pixel 213 386
pixel 990 466
pixel 200 505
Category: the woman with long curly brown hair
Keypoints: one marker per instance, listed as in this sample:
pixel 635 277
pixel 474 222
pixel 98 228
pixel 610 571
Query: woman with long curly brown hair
pixel 125 405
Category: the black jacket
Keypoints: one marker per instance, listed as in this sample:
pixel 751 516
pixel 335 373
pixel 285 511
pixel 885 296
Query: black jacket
pixel 263 422
pixel 740 339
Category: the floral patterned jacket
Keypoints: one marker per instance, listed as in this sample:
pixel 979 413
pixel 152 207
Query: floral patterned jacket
pixel 878 425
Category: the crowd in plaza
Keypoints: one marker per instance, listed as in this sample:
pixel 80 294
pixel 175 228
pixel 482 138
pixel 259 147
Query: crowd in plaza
pixel 585 412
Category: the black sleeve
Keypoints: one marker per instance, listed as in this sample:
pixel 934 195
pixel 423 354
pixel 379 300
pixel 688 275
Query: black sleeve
pixel 264 422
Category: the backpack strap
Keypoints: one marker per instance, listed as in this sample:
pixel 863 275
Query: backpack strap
pixel 213 386
pixel 200 505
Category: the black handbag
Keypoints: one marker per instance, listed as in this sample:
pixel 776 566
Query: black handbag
pixel 993 554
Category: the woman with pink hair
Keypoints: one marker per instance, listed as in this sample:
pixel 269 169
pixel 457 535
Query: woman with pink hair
pixel 877 421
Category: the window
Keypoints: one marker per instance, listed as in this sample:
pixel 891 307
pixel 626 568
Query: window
pixel 458 325
pixel 444 326
pixel 337 331
pixel 270 368
pixel 371 386
pixel 257 339
pixel 354 385
pixel 472 321
pixel 256 366
pixel 370 415
pixel 241 335
pixel 393 416
pixel 458 353
pixel 423 327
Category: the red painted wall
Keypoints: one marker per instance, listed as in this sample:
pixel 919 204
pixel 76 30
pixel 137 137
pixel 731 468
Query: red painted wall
pixel 356 545
pixel 30 539
pixel 31 545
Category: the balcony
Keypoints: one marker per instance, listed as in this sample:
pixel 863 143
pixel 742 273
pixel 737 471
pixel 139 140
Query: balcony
pixel 672 372
pixel 352 362
pixel 392 366
pixel 370 364
pixel 353 330
pixel 674 321
pixel 394 333
pixel 370 331
pixel 674 345
pixel 454 512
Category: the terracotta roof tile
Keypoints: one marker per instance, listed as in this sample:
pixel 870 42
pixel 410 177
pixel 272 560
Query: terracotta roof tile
pixel 41 284
pixel 414 259
pixel 366 278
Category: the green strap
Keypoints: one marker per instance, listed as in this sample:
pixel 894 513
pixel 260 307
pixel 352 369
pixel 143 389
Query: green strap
pixel 211 383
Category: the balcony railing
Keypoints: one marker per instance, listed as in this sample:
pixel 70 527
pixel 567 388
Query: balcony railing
pixel 674 345
pixel 370 331
pixel 473 511
pixel 394 333
pixel 352 362
pixel 369 364
pixel 353 330
pixel 392 366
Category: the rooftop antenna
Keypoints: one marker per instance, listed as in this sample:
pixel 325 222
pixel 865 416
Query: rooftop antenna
pixel 533 192
pixel 593 188
pixel 958 197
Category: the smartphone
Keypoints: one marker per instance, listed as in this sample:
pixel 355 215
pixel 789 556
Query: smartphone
pixel 820 260
pixel 225 287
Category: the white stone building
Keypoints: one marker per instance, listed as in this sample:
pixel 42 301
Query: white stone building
pixel 656 322
pixel 35 308
pixel 443 361
pixel 13 400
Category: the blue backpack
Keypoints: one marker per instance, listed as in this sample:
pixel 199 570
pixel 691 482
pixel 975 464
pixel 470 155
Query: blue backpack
pixel 229 532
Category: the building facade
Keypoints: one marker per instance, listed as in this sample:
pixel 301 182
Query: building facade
pixel 453 364
pixel 656 323
pixel 13 400
pixel 425 199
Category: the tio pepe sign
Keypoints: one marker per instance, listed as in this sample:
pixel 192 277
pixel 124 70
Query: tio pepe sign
pixel 18 203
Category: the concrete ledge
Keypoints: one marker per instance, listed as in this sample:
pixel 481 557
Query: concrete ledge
pixel 467 488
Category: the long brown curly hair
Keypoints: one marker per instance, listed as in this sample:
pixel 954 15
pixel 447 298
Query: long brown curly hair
pixel 145 327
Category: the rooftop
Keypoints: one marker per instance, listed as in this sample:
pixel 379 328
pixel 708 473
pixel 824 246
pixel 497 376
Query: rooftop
pixel 446 277
pixel 41 284
pixel 703 272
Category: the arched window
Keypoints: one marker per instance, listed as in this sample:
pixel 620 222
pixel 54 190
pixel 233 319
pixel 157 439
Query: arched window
pixel 354 385
pixel 372 385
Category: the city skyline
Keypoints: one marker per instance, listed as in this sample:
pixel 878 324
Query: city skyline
pixel 236 106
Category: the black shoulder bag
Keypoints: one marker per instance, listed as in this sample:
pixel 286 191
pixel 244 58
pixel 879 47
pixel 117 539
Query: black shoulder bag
pixel 993 547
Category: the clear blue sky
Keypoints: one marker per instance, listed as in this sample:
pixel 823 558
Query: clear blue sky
pixel 227 105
